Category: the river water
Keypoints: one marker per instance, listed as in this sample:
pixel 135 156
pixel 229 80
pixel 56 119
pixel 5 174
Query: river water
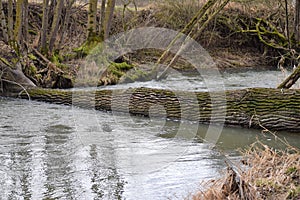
pixel 62 152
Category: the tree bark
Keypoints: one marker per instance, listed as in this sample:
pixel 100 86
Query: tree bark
pixel 205 15
pixel 274 109
pixel 109 11
pixel 55 24
pixel 66 20
pixel 12 78
pixel 3 23
pixel 201 19
pixel 44 31
pixel 25 20
pixel 92 20
pixel 19 22
pixel 297 21
pixel 10 20
pixel 102 16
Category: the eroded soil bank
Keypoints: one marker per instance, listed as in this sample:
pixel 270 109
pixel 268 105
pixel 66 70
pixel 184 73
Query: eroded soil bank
pixel 235 39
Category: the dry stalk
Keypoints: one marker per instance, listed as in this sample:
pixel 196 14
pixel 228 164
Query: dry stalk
pixel 265 173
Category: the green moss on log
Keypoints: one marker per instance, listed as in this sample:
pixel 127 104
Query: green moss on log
pixel 87 47
pixel 274 109
pixel 114 72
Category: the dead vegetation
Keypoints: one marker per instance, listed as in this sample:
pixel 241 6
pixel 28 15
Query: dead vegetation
pixel 233 38
pixel 259 27
pixel 266 173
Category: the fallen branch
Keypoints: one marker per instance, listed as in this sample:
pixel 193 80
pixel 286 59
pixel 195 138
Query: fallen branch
pixel 291 80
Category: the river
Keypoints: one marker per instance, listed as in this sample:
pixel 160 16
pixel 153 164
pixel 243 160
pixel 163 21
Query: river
pixel 62 152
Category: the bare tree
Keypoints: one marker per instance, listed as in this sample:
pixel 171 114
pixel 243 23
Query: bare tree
pixel 43 44
pixel 66 20
pixel 92 20
pixel 108 17
pixel 107 10
pixel 10 20
pixel 297 20
pixel 3 24
pixel 102 16
pixel 18 22
pixel 25 20
pixel 55 23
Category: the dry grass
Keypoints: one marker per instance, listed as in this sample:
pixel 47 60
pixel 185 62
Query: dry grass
pixel 175 14
pixel 266 174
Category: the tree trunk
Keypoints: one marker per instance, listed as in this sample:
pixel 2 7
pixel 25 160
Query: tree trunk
pixel 25 20
pixel 55 24
pixel 108 17
pixel 66 20
pixel 12 78
pixel 19 22
pixel 3 23
pixel 10 20
pixel 297 21
pixel 196 30
pixel 44 31
pixel 274 109
pixel 102 16
pixel 92 20
pixel 198 19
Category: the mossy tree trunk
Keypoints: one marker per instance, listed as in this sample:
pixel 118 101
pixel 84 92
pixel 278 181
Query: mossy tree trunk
pixel 274 109
pixel 18 22
pixel 11 75
pixel 44 31
pixel 94 36
pixel 102 16
pixel 92 19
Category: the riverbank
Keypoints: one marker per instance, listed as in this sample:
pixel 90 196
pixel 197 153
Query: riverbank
pixel 263 173
pixel 227 41
pixel 67 149
pixel 231 45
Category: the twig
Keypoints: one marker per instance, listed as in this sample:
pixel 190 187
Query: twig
pixel 18 84
pixel 266 130
pixel 41 55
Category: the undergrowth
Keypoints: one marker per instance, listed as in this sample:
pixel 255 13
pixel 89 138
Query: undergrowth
pixel 266 173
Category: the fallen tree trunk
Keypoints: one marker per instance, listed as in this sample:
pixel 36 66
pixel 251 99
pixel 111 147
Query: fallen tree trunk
pixel 273 109
pixel 11 76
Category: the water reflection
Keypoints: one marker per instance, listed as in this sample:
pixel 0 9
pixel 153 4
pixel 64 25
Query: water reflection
pixel 56 152
pixel 39 158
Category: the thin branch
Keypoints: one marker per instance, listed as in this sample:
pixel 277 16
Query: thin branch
pixel 18 84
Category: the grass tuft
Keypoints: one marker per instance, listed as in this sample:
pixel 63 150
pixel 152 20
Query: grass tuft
pixel 267 173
